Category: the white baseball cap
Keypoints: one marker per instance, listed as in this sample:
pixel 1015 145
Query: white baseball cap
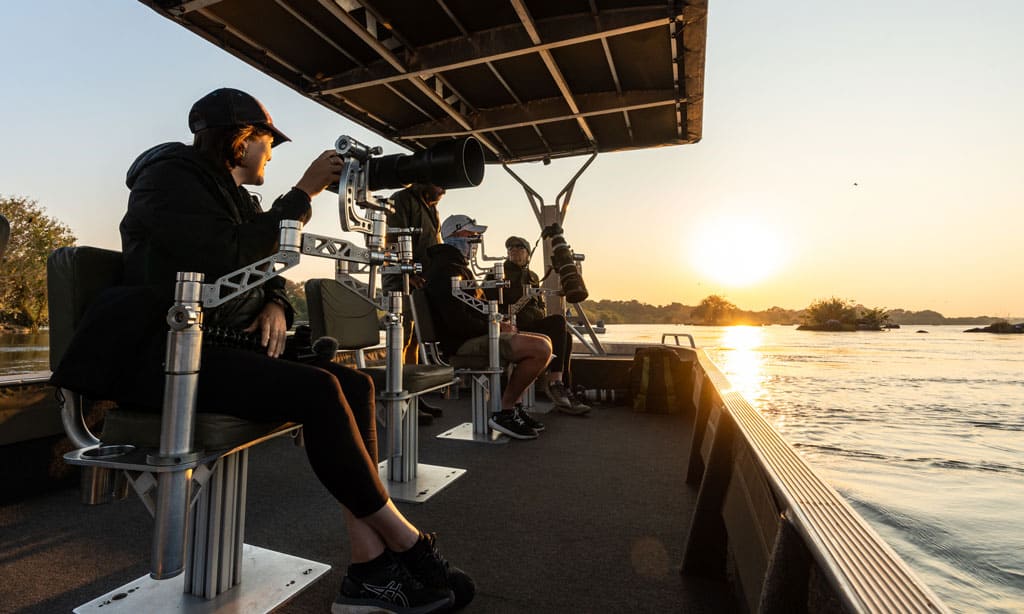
pixel 454 223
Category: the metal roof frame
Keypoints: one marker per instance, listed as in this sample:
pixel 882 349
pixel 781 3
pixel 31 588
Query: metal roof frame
pixel 531 79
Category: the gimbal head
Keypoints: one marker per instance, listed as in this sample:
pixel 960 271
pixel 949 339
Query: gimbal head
pixel 450 164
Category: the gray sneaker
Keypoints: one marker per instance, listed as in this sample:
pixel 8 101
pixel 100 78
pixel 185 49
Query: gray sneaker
pixel 565 401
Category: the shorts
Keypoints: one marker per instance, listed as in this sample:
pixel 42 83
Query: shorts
pixel 477 346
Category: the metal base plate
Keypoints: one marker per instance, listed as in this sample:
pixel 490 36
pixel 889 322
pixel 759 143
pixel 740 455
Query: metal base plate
pixel 269 579
pixel 429 480
pixel 464 432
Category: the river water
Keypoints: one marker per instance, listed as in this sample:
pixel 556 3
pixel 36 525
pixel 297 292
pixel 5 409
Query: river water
pixel 922 432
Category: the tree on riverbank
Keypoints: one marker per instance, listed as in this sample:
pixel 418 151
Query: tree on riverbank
pixel 23 279
pixel 715 311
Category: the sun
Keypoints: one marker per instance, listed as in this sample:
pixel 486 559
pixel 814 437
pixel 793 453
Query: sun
pixel 737 251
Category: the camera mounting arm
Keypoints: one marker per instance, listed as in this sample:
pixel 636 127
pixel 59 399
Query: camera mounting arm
pixel 459 287
pixel 238 282
pixel 529 293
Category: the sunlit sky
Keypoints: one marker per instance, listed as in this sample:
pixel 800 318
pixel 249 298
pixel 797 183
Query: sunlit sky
pixel 917 102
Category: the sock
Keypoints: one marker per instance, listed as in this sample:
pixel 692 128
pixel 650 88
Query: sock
pixel 417 550
pixel 364 569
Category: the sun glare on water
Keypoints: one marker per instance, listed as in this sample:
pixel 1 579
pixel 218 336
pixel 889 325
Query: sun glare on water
pixel 736 252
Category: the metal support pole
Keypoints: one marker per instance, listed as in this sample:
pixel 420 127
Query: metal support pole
pixel 494 355
pixel 393 393
pixel 184 345
pixel 551 214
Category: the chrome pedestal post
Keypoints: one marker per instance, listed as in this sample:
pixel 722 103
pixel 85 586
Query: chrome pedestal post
pixel 485 389
pixel 184 344
pixel 406 478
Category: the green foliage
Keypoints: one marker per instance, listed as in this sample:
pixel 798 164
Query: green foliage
pixel 296 292
pixel 23 280
pixel 715 311
pixel 875 318
pixel 828 312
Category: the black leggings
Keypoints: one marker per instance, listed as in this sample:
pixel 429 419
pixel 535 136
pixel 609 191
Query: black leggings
pixel 556 329
pixel 335 404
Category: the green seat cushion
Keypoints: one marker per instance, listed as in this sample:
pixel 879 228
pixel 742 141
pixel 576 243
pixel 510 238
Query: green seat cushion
pixel 415 378
pixel 213 431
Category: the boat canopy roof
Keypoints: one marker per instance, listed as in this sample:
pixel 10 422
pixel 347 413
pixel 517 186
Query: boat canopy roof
pixel 531 79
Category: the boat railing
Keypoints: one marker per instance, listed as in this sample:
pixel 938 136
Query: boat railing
pixel 791 538
pixel 676 336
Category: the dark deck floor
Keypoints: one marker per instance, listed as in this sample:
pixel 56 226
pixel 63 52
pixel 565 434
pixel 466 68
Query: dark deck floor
pixel 591 517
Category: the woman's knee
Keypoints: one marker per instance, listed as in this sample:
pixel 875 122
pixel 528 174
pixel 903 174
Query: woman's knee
pixel 534 345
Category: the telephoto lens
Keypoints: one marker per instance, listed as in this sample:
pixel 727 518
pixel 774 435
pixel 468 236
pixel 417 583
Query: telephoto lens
pixel 564 263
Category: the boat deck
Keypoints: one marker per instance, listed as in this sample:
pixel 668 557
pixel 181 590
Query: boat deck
pixel 591 517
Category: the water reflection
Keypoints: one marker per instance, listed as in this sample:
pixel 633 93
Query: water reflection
pixel 741 359
pixel 24 352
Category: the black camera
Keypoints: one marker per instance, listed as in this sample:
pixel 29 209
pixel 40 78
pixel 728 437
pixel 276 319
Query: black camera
pixel 457 163
pixel 563 261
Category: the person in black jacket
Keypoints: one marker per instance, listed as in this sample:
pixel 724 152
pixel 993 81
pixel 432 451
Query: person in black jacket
pixel 415 207
pixel 462 330
pixel 188 211
pixel 531 317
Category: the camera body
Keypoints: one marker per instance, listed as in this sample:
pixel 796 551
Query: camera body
pixel 563 261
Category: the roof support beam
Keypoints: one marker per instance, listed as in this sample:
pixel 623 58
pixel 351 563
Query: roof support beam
pixel 545 111
pixel 496 45
pixel 494 71
pixel 368 34
pixel 549 61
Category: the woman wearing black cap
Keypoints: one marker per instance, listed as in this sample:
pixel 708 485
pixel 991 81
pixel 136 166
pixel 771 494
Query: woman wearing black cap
pixel 188 211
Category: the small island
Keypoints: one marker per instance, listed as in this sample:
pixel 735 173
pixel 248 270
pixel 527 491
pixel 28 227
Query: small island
pixel 999 328
pixel 837 315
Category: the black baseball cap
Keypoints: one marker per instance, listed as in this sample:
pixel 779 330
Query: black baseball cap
pixel 231 107
pixel 513 240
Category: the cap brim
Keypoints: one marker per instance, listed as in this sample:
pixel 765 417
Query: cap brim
pixel 474 228
pixel 279 137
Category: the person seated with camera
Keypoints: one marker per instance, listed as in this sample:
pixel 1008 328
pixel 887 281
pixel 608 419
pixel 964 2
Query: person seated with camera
pixel 188 211
pixel 531 317
pixel 462 330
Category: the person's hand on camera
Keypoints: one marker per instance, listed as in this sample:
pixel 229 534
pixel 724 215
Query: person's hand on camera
pixel 417 281
pixel 507 327
pixel 272 325
pixel 322 172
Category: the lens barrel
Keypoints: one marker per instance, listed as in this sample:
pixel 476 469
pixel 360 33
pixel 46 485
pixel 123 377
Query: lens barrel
pixel 569 278
pixel 457 163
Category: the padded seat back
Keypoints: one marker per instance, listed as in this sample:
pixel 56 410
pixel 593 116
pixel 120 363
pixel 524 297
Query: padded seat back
pixel 335 311
pixel 425 331
pixel 74 276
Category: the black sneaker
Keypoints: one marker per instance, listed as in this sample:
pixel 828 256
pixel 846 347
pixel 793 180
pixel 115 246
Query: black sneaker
pixel 529 420
pixel 507 421
pixel 388 587
pixel 427 565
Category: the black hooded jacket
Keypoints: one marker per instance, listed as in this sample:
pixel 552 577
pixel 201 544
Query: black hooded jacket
pixel 454 321
pixel 187 214
pixel 184 214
